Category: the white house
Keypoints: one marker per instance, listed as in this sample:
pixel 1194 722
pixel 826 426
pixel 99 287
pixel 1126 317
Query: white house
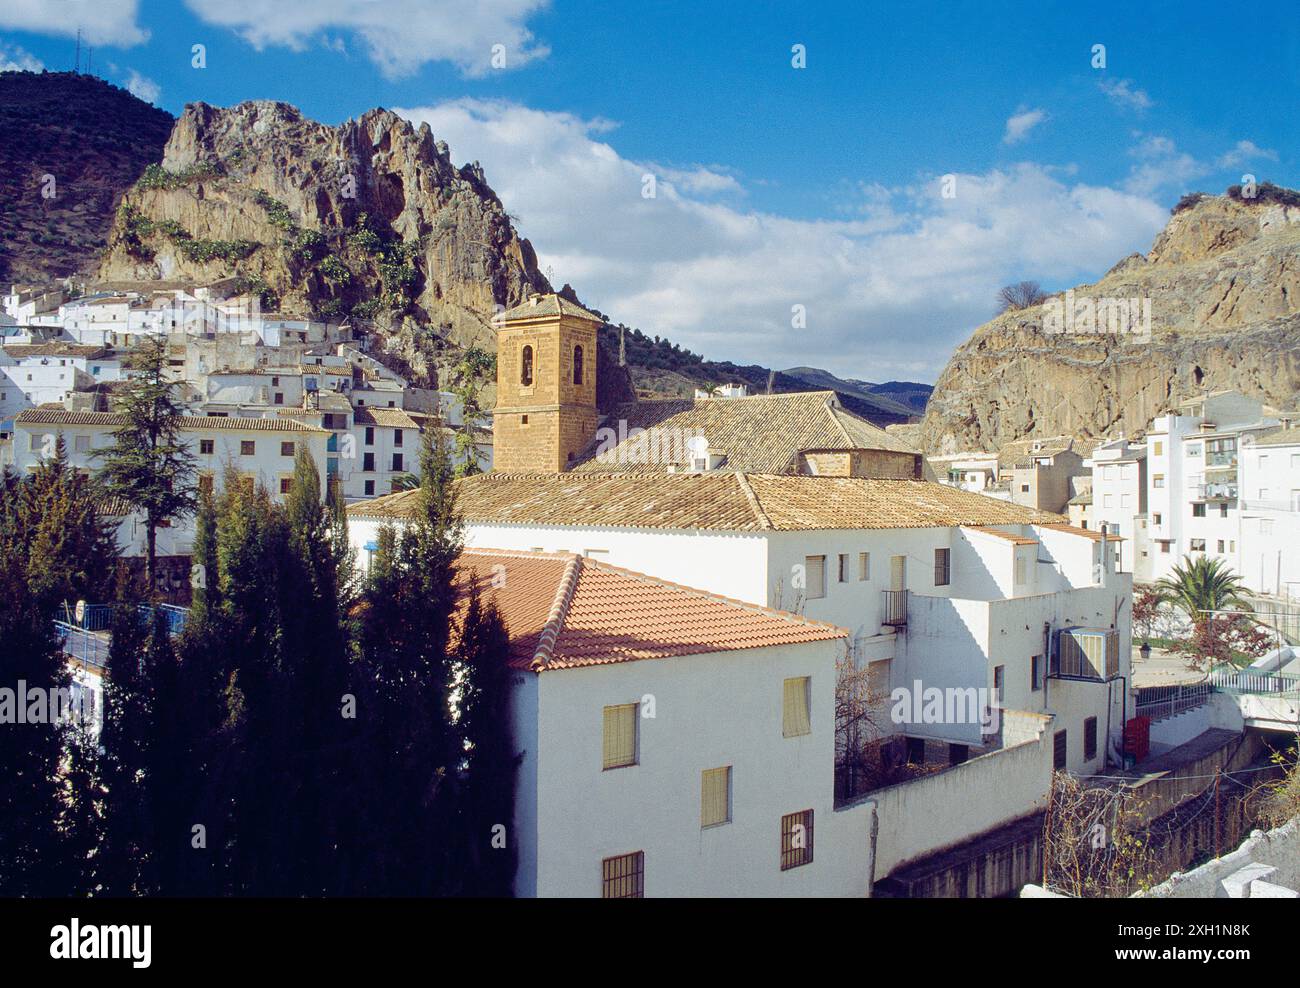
pixel 947 588
pixel 688 757
pixel 33 374
pixel 262 450
pixel 1193 475
pixel 1270 514
pixel 1119 500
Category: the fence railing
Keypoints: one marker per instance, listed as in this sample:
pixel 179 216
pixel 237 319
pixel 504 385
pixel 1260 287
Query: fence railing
pixel 1160 702
pixel 99 617
pixel 1252 681
pixel 86 646
pixel 894 608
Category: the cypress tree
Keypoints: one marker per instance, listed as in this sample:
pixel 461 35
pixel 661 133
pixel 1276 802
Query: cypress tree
pixel 126 860
pixel 492 759
pixel 410 748
pixel 53 549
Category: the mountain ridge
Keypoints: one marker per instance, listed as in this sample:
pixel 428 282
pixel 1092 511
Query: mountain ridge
pixel 1223 284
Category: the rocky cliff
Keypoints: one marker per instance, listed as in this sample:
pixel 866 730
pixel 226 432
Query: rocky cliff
pixel 368 220
pixel 92 140
pixel 1223 281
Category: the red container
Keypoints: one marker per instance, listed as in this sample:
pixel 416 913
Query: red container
pixel 1137 738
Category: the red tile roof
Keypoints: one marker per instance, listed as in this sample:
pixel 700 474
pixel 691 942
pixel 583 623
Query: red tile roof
pixel 564 611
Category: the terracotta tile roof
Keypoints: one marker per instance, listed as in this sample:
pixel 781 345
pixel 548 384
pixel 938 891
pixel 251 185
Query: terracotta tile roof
pixel 1019 449
pixel 563 611
pixel 756 434
pixel 51 416
pixel 20 351
pixel 1280 437
pixel 1086 533
pixel 552 305
pixel 1008 536
pixel 114 507
pixel 721 501
pixel 394 418
pixel 794 503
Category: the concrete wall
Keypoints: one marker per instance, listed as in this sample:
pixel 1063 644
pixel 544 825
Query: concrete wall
pixel 924 815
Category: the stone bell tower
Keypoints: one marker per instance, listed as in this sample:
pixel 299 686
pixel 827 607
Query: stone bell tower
pixel 546 384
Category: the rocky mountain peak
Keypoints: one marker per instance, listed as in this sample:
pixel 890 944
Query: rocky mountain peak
pixel 368 220
pixel 1221 283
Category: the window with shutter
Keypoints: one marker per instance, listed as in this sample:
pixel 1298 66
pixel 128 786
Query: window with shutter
pixel 619 745
pixel 715 796
pixel 795 719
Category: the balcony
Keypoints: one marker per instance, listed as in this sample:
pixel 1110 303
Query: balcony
pixel 1221 460
pixel 1215 492
pixel 894 612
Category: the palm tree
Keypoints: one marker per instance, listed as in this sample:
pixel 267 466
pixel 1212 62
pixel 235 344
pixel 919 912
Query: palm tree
pixel 1203 584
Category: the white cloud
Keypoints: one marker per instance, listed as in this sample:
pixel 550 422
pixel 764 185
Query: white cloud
pixel 1161 166
pixel 102 22
pixel 1122 94
pixel 399 35
pixel 889 290
pixel 18 59
pixel 1243 152
pixel 142 87
pixel 1021 123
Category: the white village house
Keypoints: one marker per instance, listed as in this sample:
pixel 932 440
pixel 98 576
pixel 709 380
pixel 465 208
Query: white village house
pixel 262 450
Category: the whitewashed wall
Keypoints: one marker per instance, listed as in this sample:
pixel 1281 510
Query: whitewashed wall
pixel 710 711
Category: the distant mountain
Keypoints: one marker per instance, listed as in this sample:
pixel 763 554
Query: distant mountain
pixel 909 395
pixel 660 368
pixel 70 146
pixel 1222 282
pixel 369 221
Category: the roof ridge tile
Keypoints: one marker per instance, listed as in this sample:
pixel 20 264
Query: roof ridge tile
pixel 564 591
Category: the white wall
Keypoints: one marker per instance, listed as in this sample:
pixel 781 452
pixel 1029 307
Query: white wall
pixel 1270 525
pixel 710 710
pixel 940 810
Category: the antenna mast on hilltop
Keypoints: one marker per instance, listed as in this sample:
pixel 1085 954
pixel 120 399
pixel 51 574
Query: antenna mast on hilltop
pixel 76 67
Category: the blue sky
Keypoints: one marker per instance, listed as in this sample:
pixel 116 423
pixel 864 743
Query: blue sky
pixel 776 187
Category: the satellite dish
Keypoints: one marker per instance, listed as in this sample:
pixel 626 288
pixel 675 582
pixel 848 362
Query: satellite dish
pixel 1247 439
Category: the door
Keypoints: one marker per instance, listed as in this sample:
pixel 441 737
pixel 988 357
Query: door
pixel 897 572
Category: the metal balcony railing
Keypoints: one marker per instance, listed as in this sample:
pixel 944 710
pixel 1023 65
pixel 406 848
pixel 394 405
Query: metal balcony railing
pixel 1255 682
pixel 1160 702
pixel 1214 492
pixel 894 613
pixel 85 646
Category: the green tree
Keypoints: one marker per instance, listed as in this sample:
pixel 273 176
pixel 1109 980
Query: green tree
pixel 53 548
pixel 126 861
pixel 487 791
pixel 149 466
pixel 476 366
pixel 1203 584
pixel 410 749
